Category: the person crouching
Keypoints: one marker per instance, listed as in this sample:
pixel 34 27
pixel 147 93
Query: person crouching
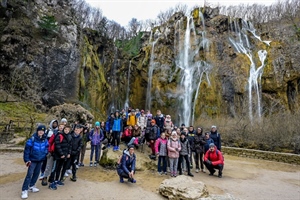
pixel 213 159
pixel 126 167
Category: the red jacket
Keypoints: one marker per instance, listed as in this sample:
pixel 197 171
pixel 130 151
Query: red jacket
pixel 214 157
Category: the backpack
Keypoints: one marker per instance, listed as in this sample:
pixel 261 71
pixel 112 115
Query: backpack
pixel 217 152
pixel 52 141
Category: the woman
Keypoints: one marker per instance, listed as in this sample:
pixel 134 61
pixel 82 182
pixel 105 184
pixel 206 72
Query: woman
pixel 199 142
pixel 126 167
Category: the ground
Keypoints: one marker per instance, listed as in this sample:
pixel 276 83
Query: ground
pixel 244 178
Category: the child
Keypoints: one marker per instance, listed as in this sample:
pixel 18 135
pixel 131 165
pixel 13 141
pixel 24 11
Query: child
pixel 126 167
pixel 173 152
pixel 76 147
pixel 161 151
pixel 35 152
pixel 184 153
pixel 96 136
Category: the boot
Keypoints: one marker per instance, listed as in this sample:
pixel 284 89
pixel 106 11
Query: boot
pixel 190 174
pixel 121 180
pixel 44 181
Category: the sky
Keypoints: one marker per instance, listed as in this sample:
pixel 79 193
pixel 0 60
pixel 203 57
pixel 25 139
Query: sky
pixel 122 11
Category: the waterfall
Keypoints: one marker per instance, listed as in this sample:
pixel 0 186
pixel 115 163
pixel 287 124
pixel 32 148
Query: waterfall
pixel 255 73
pixel 126 105
pixel 150 74
pixel 113 80
pixel 191 71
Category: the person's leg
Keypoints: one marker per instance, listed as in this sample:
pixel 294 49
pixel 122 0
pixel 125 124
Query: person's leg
pixel 53 170
pixel 92 154
pixel 180 164
pixel 43 167
pixel 210 168
pixel 196 158
pixel 159 164
pixel 118 139
pixel 82 153
pixel 36 173
pixel 65 165
pixel 164 160
pixel 186 157
pixel 28 177
pixel 96 154
pixel 175 166
pixel 220 168
pixel 172 166
pixel 201 161
pixel 152 146
pixel 131 141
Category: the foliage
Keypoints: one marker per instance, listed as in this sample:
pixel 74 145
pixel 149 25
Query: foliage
pixel 48 25
pixel 131 46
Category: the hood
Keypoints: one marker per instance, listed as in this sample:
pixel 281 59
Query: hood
pixel 161 115
pixel 51 123
pixel 127 153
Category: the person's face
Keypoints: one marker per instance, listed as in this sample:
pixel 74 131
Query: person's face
pixel 158 112
pixel 178 130
pixel 54 124
pixel 136 127
pixel 131 151
pixel 77 131
pixel 213 129
pixel 130 127
pixel 212 148
pixel 207 136
pixel 182 136
pixel 191 128
pixel 66 130
pixel 40 133
pixel 174 136
pixel 199 130
pixel 61 127
pixel 163 136
pixel 152 123
pixel 117 114
pixel 185 130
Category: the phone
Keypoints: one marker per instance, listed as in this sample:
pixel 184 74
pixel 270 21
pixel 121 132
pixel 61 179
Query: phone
pixel 28 164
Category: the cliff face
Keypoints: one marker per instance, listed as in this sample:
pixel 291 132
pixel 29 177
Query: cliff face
pixel 39 51
pixel 197 66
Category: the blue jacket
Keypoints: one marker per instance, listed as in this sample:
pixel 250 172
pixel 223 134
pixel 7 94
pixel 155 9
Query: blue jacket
pixel 36 149
pixel 208 142
pixel 117 124
pixel 127 163
pixel 216 138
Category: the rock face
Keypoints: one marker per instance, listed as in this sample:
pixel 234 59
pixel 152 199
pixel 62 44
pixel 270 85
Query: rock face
pixel 183 187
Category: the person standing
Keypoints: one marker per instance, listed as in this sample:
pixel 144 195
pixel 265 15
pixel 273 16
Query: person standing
pixel 184 153
pixel 215 136
pixel 159 120
pixel 174 147
pixel 161 152
pixel 116 130
pixel 199 142
pixel 96 136
pixel 35 151
pixel 76 147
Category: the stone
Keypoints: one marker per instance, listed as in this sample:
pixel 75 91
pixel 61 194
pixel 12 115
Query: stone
pixel 183 187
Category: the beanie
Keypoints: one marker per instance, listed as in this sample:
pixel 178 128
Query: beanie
pixel 211 145
pixel 97 124
pixel 41 128
pixel 63 120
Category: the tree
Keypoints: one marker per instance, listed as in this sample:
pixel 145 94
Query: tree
pixel 48 25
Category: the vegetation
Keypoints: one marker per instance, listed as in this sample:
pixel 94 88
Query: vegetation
pixel 132 46
pixel 49 26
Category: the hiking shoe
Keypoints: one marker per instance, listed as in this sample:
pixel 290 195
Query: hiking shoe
pixel 203 170
pixel 73 178
pixel 212 173
pixel 60 183
pixel 52 186
pixel 91 164
pixel 95 164
pixel 190 174
pixel 24 194
pixel 33 189
pixel 197 170
pixel 121 180
pixel 41 176
pixel 133 181
pixel 220 175
pixel 44 181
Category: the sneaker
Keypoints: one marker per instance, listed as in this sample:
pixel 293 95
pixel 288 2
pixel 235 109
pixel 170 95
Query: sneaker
pixel 190 174
pixel 77 166
pixel 191 166
pixel 60 183
pixel 69 171
pixel 133 181
pixel 33 189
pixel 203 170
pixel 44 181
pixel 180 173
pixel 121 180
pixel 24 194
pixel 66 174
pixel 108 146
pixel 81 165
pixel 73 178
pixel 115 148
pixel 52 186
pixel 220 175
pixel 91 164
pixel 41 176
pixel 212 173
pixel 166 173
pixel 197 170
pixel 175 175
pixel 159 173
pixel 95 164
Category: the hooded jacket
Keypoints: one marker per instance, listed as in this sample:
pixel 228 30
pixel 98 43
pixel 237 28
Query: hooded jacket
pixel 117 124
pixel 161 146
pixel 76 144
pixel 51 130
pixel 216 137
pixel 185 147
pixel 36 149
pixel 172 145
pixel 199 142
pixel 214 157
pixel 127 163
pixel 96 136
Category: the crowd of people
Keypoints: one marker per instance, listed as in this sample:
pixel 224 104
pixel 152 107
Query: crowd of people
pixel 57 152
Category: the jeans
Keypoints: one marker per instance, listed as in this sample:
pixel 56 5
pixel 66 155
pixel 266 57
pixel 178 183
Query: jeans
pixel 187 160
pixel 197 157
pixel 96 149
pixel 32 175
pixel 116 138
pixel 131 141
pixel 173 165
pixel 163 160
pixel 211 168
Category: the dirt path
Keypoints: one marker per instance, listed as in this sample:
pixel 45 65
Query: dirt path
pixel 243 178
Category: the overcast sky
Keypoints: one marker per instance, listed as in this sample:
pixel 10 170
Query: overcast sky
pixel 122 11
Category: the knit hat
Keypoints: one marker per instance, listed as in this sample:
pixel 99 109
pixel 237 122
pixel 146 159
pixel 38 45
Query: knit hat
pixel 131 147
pixel 214 126
pixel 182 124
pixel 153 121
pixel 41 128
pixel 63 120
pixel 97 124
pixel 211 145
pixel 174 133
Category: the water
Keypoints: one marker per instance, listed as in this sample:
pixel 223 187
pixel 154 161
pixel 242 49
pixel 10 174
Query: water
pixel 242 45
pixel 126 105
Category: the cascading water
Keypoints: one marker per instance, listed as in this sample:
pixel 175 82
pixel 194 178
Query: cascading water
pixel 191 71
pixel 242 45
pixel 126 105
pixel 150 74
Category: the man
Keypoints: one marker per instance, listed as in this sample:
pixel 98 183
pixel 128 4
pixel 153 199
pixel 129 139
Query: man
pixel 132 119
pixel 213 159
pixel 35 151
pixel 215 136
pixel 190 135
pixel 159 120
pixel 126 167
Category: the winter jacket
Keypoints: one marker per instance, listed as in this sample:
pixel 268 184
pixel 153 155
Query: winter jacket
pixel 216 138
pixel 206 145
pixel 63 145
pixel 190 137
pixel 131 120
pixel 76 144
pixel 96 136
pixel 185 147
pixel 161 147
pixel 160 120
pixel 51 130
pixel 151 133
pixel 172 145
pixel 136 132
pixel 199 142
pixel 214 157
pixel 127 133
pixel 127 163
pixel 168 124
pixel 117 124
pixel 36 149
pixel 142 121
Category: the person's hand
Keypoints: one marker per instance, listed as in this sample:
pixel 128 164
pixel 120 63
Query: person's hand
pixel 208 162
pixel 63 156
pixel 110 131
pixel 28 163
pixel 131 174
pixel 176 149
pixel 68 156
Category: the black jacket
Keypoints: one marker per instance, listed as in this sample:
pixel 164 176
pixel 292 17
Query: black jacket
pixel 199 142
pixel 63 145
pixel 76 144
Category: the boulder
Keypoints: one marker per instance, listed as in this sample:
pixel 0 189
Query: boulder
pixel 219 197
pixel 183 187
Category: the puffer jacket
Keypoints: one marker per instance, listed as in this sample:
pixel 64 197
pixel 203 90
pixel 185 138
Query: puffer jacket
pixel 199 142
pixel 161 147
pixel 76 144
pixel 185 147
pixel 127 163
pixel 63 145
pixel 142 121
pixel 131 120
pixel 214 157
pixel 172 145
pixel 96 136
pixel 36 149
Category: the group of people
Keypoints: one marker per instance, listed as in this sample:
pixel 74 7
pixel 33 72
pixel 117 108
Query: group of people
pixel 55 152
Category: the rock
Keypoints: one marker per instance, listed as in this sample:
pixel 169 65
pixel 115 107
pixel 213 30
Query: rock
pixel 219 197
pixel 72 113
pixel 183 187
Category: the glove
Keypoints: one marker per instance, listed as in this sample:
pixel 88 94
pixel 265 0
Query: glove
pixel 208 162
